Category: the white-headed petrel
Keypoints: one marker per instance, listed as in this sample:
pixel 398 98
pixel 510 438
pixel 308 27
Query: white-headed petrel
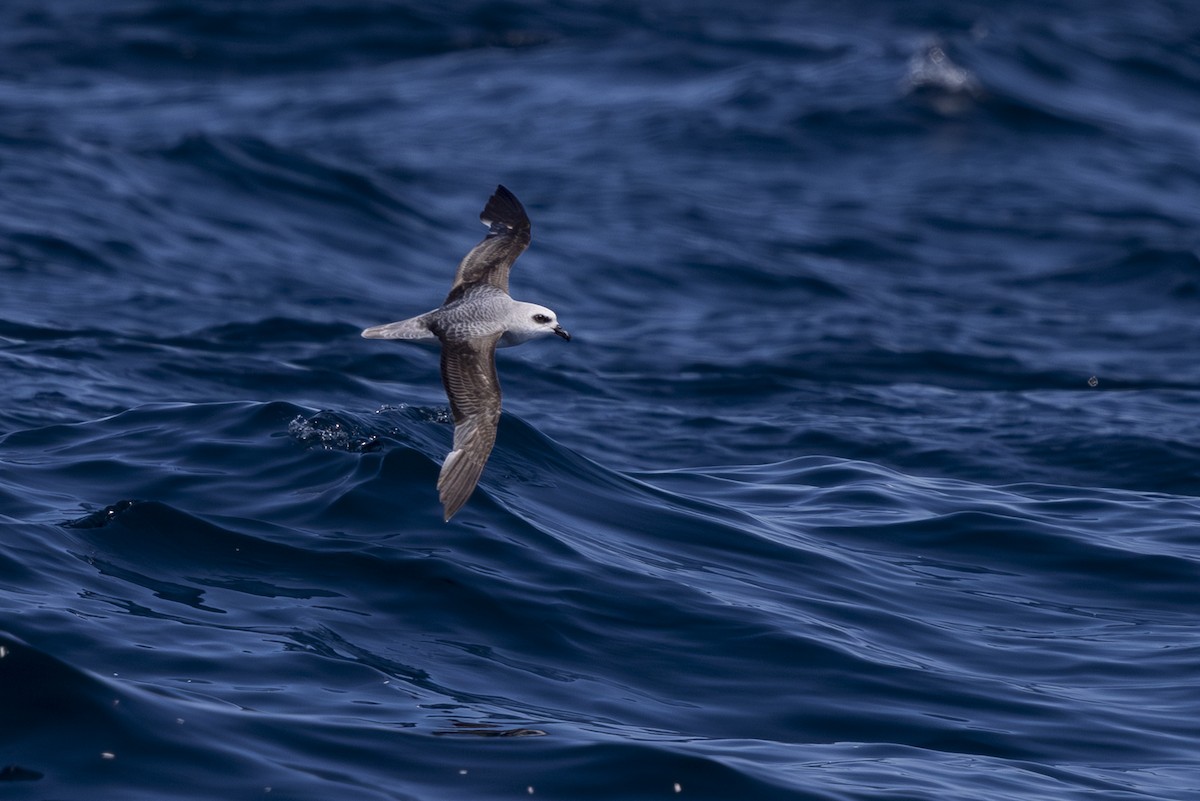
pixel 477 317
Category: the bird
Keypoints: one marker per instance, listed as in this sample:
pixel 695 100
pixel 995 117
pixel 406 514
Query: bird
pixel 477 317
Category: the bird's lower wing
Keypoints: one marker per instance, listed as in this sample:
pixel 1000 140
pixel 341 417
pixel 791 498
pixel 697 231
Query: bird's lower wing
pixel 469 375
pixel 464 465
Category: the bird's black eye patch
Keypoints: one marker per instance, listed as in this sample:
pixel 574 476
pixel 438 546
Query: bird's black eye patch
pixel 541 318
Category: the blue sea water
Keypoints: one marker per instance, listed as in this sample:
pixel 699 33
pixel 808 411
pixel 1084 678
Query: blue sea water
pixel 872 470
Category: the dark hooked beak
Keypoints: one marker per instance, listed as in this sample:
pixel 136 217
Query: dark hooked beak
pixel 562 332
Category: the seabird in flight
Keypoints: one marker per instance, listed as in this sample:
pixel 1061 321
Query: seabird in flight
pixel 477 317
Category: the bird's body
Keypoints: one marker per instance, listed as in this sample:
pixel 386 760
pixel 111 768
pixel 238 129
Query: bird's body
pixel 477 317
pixel 482 310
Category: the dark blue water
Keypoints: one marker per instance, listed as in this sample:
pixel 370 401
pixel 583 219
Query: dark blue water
pixel 872 472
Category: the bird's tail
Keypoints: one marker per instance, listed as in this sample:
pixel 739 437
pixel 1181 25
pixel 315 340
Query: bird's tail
pixel 415 328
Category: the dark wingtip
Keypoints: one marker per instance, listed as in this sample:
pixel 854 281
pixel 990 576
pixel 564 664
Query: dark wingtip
pixel 504 208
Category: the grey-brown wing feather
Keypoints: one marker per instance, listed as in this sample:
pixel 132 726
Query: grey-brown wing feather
pixel 469 375
pixel 507 237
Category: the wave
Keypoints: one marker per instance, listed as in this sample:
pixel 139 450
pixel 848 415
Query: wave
pixel 189 39
pixel 776 564
pixel 820 503
pixel 1145 273
pixel 259 166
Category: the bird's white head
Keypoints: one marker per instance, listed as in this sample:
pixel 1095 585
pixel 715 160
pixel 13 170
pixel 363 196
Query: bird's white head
pixel 530 321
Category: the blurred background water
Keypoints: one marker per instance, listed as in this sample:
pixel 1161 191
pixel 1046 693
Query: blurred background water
pixel 871 471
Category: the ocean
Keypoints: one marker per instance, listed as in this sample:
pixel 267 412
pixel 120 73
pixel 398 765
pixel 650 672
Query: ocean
pixel 872 471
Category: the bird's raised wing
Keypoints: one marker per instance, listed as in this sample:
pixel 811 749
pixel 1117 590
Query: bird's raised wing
pixel 469 375
pixel 507 238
